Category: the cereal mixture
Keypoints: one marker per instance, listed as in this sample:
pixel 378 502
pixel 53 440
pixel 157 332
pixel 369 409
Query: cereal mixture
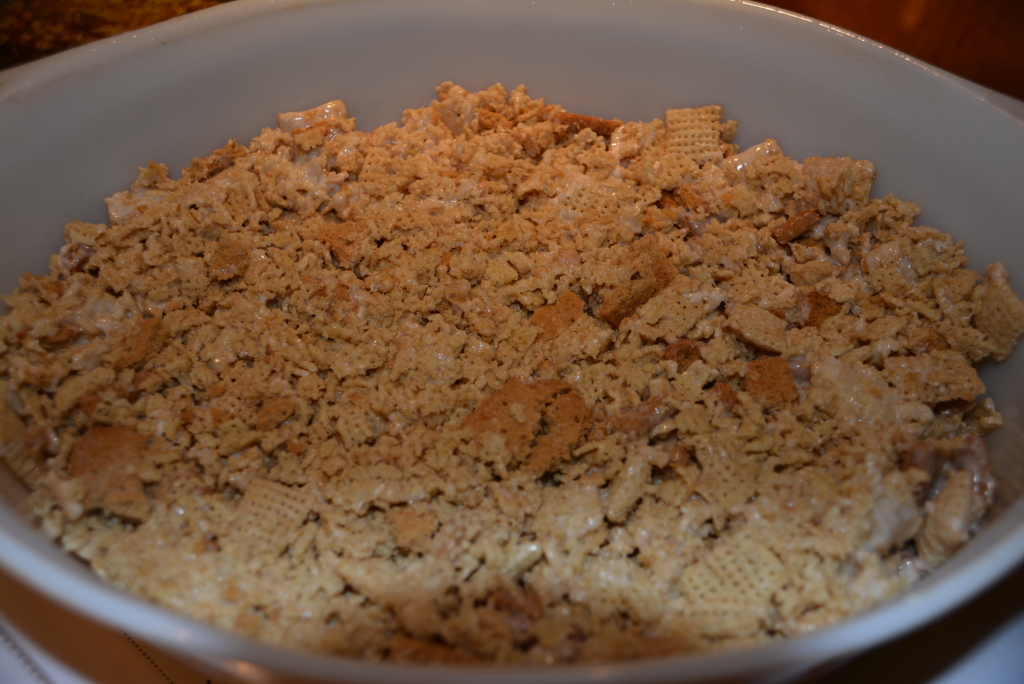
pixel 502 383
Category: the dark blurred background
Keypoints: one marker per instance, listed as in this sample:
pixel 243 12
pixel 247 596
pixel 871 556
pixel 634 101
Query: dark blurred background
pixel 980 40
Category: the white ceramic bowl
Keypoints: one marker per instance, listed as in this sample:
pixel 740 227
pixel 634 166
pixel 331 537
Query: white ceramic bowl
pixel 75 127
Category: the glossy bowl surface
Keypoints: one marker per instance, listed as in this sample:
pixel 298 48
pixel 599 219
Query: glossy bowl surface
pixel 75 127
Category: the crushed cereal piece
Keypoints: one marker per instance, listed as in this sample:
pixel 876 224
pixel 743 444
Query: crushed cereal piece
pixel 724 393
pixel 811 272
pixel 576 122
pixel 951 515
pixel 998 312
pixel 758 327
pixel 934 377
pixel 143 342
pixel 636 422
pixel 274 412
pixel 628 486
pixel 684 352
pixel 691 199
pixel 229 259
pixel 837 184
pixel 412 526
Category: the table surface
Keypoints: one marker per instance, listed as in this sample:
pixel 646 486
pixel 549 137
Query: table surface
pixel 41 643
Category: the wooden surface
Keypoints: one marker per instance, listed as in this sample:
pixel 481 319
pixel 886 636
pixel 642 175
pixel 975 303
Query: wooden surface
pixel 981 40
pixel 30 29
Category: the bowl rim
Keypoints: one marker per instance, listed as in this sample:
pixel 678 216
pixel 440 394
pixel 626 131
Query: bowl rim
pixel 250 659
pixel 247 658
pixel 24 78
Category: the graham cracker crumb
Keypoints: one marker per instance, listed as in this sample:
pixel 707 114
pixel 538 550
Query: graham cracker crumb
pixel 770 381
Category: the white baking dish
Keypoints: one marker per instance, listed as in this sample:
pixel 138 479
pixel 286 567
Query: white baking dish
pixel 75 127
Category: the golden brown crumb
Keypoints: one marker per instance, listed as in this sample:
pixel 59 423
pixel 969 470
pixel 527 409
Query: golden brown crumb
pixel 648 271
pixel 795 226
pixel 725 395
pixel 555 318
pixel 770 381
pixel 106 461
pixel 814 308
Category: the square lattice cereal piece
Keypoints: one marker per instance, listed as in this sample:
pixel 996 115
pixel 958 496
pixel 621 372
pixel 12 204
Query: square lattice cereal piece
pixel 758 327
pixel 728 476
pixel 672 312
pixel 729 590
pixel 694 134
pixel 269 514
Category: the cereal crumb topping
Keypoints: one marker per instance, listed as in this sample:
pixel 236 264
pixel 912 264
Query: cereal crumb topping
pixel 503 383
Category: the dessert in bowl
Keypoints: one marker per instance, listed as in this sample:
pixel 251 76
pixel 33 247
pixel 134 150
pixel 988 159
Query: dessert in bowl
pixel 713 334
